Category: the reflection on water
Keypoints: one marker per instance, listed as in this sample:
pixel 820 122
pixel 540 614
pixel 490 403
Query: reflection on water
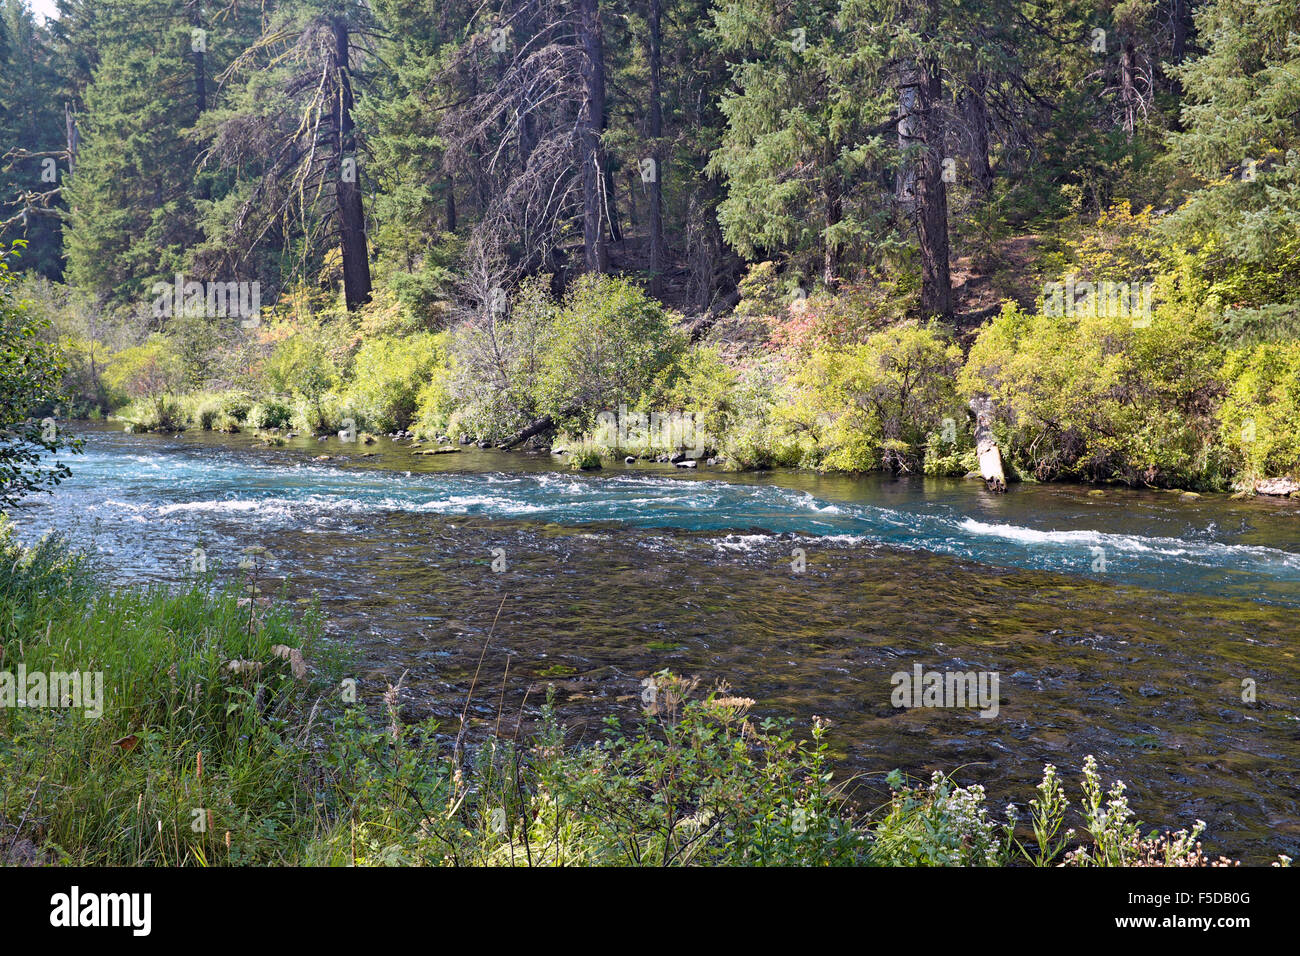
pixel 609 578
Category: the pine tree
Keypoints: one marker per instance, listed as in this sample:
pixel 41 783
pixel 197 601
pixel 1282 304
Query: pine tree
pixel 1241 136
pixel 131 197
pixel 33 161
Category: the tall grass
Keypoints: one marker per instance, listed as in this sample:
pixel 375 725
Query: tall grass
pixel 187 746
pixel 226 738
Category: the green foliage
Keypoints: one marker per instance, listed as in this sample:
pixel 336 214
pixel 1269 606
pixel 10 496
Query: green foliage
pixel 223 412
pixel 435 406
pixel 1094 397
pixel 796 153
pixel 180 728
pixel 145 370
pixel 160 412
pixel 757 438
pixel 31 119
pixel 585 459
pixel 302 367
pixel 387 376
pixel 874 405
pixel 941 824
pixel 607 343
pixel 35 582
pixel 132 199
pixel 31 376
pixel 1240 138
pixel 705 385
pixel 1262 408
pixel 269 413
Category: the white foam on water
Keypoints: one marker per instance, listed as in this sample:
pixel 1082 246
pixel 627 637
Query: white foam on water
pixel 742 542
pixel 1195 551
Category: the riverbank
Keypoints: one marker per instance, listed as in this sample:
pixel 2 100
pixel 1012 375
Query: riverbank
pixel 228 733
pixel 605 370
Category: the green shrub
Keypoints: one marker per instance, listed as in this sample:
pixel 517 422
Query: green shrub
pixel 145 370
pixel 158 413
pixel 435 405
pixel 608 345
pixel 1261 414
pixel 387 377
pixel 874 405
pixel 323 415
pixel 585 459
pixel 300 365
pixel 702 383
pixel 1096 398
pixel 219 411
pixel 756 437
pixel 270 413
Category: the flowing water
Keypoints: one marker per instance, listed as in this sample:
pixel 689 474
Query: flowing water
pixel 1121 625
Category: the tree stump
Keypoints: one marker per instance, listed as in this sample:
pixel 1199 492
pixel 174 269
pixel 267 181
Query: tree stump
pixel 986 447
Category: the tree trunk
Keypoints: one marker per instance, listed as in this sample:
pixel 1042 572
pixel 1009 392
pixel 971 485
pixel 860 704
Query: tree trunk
pixel 976 114
pixel 986 447
pixel 905 183
pixel 73 136
pixel 591 155
pixel 921 190
pixel 1182 22
pixel 200 79
pixel 610 204
pixel 1128 89
pixel 542 424
pixel 656 131
pixel 834 211
pixel 932 197
pixel 352 222
pixel 200 93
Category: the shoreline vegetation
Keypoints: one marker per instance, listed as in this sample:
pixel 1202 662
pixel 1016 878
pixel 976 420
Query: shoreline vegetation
pixel 1087 398
pixel 231 734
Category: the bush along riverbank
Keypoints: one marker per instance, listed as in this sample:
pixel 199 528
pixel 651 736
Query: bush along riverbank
pixel 211 726
pixel 837 383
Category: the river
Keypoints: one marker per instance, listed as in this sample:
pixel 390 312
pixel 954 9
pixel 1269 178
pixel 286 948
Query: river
pixel 1120 624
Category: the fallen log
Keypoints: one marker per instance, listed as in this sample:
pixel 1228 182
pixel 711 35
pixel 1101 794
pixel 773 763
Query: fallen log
pixel 986 447
pixel 545 423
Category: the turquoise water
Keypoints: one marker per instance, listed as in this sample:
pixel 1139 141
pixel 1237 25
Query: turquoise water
pixel 179 486
pixel 1121 625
